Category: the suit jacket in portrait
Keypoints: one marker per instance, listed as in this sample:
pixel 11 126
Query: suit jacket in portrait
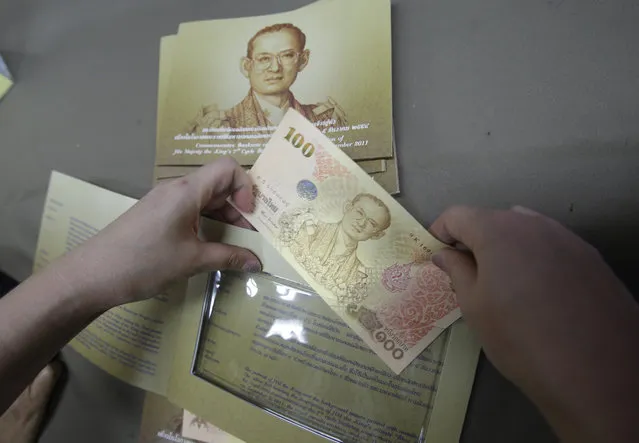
pixel 249 114
pixel 313 244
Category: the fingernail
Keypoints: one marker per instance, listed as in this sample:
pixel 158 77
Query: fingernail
pixel 524 211
pixel 252 266
pixel 438 261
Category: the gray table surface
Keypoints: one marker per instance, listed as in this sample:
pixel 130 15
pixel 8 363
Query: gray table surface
pixel 497 103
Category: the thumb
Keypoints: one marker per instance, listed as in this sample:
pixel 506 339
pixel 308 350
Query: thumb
pixel 221 256
pixel 460 267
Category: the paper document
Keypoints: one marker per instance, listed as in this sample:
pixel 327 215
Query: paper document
pixel 133 342
pixel 198 429
pixel 328 378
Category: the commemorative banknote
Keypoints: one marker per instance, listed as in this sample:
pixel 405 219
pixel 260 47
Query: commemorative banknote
pixel 359 249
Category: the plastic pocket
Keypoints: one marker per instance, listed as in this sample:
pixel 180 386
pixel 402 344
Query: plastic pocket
pixel 278 346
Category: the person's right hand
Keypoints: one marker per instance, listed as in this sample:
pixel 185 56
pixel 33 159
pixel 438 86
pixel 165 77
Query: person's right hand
pixel 551 316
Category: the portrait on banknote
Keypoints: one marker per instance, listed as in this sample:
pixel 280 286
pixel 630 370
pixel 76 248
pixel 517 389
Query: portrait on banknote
pixel 328 251
pixel 232 81
pixel 350 246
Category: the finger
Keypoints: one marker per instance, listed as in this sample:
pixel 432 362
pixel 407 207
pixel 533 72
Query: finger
pixel 460 224
pixel 223 178
pixel 234 217
pixel 461 268
pixel 220 256
pixel 531 213
pixel 244 223
pixel 525 211
pixel 228 214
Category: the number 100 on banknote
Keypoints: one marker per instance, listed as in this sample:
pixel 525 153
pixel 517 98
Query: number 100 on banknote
pixel 359 249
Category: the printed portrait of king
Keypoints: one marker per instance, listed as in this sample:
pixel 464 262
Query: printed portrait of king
pixel 328 251
pixel 275 56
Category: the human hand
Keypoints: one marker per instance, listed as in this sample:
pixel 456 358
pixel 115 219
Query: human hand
pixel 550 314
pixel 156 241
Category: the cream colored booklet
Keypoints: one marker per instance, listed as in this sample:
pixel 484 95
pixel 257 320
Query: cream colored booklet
pixel 232 80
pixel 170 345
pixel 134 342
pixel 383 171
pixel 164 422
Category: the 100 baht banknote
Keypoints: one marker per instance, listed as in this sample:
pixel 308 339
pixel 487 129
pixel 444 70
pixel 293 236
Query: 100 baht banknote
pixel 363 253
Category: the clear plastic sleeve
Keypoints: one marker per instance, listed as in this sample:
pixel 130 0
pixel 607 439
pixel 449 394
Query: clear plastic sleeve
pixel 278 346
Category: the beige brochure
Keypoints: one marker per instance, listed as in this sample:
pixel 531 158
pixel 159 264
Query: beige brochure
pixel 132 342
pixel 164 422
pixel 270 361
pixel 153 344
pixel 232 80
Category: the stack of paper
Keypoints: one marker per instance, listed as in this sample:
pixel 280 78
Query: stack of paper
pixel 225 85
pixel 6 81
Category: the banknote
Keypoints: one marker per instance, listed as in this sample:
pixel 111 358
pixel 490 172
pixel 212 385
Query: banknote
pixel 359 249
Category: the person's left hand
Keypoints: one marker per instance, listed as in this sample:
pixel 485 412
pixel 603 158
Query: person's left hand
pixel 156 242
